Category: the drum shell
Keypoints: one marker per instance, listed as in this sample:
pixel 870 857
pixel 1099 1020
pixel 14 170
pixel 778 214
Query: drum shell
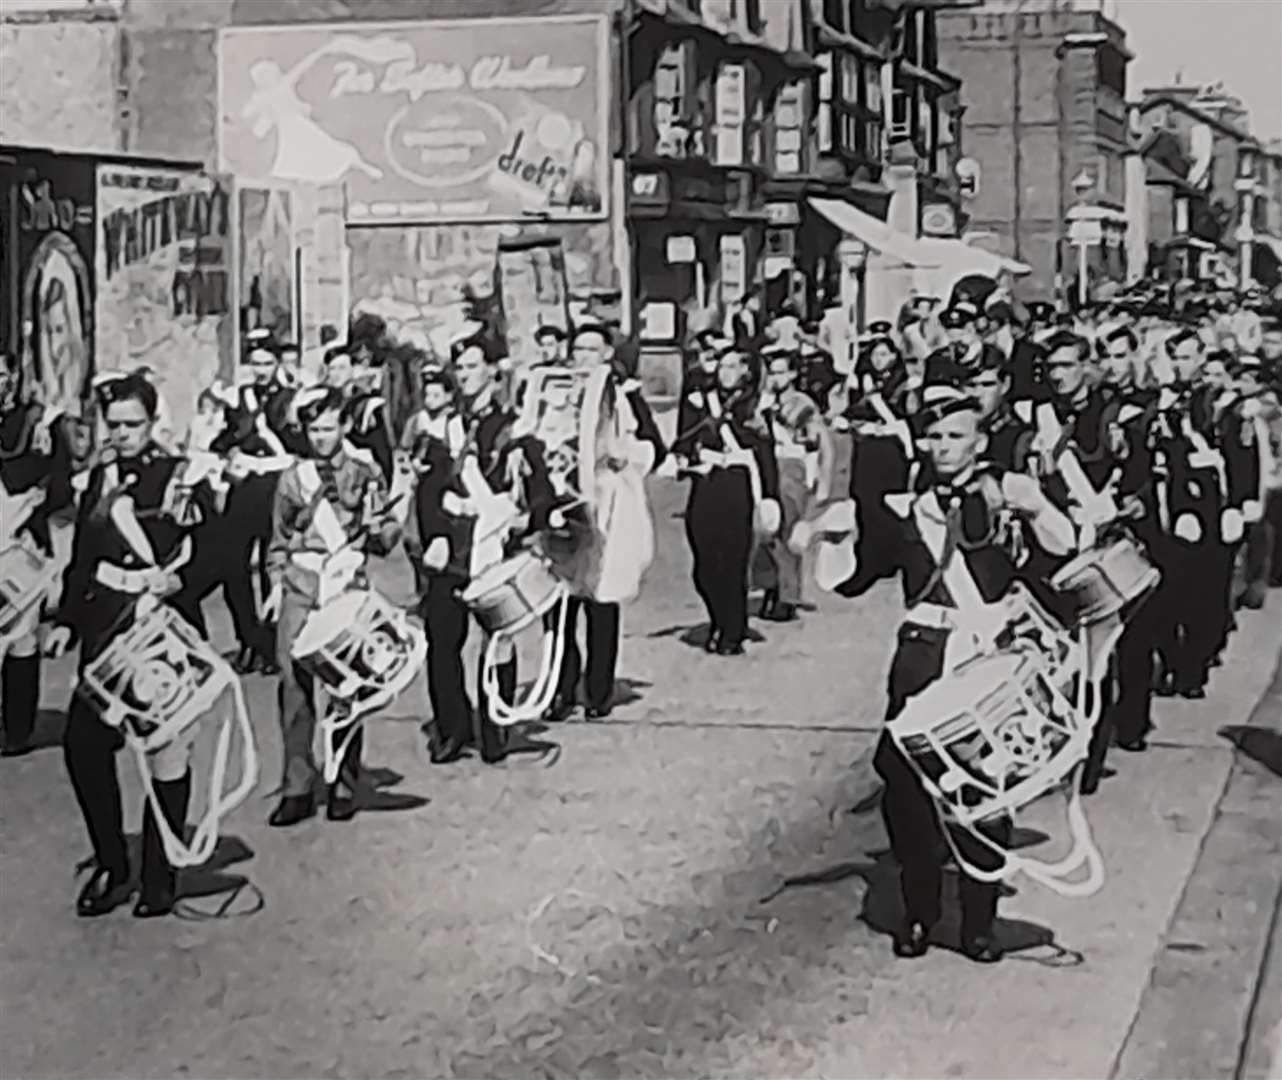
pixel 1102 583
pixel 514 594
pixel 25 575
pixel 990 751
pixel 160 643
pixel 368 655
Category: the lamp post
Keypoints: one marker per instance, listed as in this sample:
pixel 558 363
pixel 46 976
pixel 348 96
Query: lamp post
pixel 1245 234
pixel 852 256
pixel 1084 232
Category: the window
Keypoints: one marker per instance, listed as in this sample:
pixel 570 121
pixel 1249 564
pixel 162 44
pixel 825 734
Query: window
pixel 790 122
pixel 823 110
pixel 929 42
pixel 834 14
pixel 674 99
pixel 900 115
pixel 872 87
pixel 739 115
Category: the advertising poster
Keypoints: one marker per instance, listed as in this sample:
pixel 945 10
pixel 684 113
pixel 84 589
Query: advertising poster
pixel 438 121
pixel 165 288
pixel 47 240
pixel 266 235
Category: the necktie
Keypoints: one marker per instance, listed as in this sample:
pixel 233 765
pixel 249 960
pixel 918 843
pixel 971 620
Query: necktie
pixel 329 484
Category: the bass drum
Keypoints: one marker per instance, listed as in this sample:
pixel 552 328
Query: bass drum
pixel 582 421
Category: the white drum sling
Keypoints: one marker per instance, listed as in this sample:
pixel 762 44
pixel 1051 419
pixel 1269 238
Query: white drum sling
pixel 506 599
pixel 362 653
pixel 157 682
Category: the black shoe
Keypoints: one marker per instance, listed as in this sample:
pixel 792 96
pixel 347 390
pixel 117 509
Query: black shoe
pixel 1090 783
pixel 560 710
pixel 912 940
pixel 783 613
pixel 153 907
pixel 981 949
pixel 103 892
pixel 1133 746
pixel 1165 685
pixel 769 604
pixel 597 712
pixel 340 807
pixel 730 648
pixel 16 749
pixel 267 665
pixel 291 810
pixel 1195 692
pixel 244 662
pixel 713 644
pixel 446 751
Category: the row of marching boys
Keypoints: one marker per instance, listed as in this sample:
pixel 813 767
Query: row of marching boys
pixel 1002 453
pixel 280 481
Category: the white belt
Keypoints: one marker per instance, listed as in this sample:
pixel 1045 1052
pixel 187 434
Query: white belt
pixel 134 582
pixel 262 466
pixel 932 616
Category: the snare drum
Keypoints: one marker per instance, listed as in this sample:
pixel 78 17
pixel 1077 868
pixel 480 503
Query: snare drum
pixel 513 594
pixel 991 736
pixel 25 578
pixel 362 651
pixel 1103 582
pixel 157 679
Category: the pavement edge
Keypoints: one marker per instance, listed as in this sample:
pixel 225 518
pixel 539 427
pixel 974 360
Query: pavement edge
pixel 1207 1010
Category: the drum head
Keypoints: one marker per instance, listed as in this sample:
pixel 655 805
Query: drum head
pixel 955 692
pixel 339 615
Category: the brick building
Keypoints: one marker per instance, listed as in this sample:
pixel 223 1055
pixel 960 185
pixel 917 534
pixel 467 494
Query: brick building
pixel 1044 90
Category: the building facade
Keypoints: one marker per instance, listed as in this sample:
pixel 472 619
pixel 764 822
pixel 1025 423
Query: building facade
pixel 1044 89
pixel 1228 222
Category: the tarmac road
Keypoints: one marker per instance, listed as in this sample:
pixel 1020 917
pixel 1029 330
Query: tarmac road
pixel 616 912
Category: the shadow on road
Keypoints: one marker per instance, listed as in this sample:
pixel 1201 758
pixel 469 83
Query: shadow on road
pixel 1257 743
pixel 695 980
pixel 695 635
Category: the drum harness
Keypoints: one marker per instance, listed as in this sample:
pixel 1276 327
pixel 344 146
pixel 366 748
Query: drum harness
pixel 134 582
pixel 336 570
pixel 491 526
pixel 982 623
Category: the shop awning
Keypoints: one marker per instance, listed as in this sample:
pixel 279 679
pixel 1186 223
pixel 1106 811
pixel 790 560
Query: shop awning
pixel 869 230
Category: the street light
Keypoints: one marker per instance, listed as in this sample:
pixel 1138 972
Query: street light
pixel 1245 234
pixel 852 257
pixel 1083 231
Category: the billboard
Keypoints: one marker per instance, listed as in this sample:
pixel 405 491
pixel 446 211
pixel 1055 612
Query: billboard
pixel 165 289
pixel 46 275
pixel 425 122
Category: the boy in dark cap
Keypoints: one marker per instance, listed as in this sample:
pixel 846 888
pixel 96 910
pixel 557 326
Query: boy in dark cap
pixel 951 488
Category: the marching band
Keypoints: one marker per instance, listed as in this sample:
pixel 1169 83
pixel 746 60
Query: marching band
pixel 1075 507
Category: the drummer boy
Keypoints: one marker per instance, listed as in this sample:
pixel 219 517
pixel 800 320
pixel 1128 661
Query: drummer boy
pixel 980 517
pixel 330 510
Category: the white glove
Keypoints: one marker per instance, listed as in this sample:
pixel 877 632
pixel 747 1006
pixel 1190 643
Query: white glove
pixel 437 554
pixel 56 642
pixel 271 606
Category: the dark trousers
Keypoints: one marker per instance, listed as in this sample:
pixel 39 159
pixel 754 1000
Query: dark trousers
pixel 1273 515
pixel 719 528
pixel 19 698
pixel 1193 603
pixel 912 821
pixel 243 532
pixel 89 750
pixel 602 622
pixel 1255 564
pixel 446 620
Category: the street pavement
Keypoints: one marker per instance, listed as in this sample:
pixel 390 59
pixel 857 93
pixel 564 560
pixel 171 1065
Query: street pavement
pixel 698 886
